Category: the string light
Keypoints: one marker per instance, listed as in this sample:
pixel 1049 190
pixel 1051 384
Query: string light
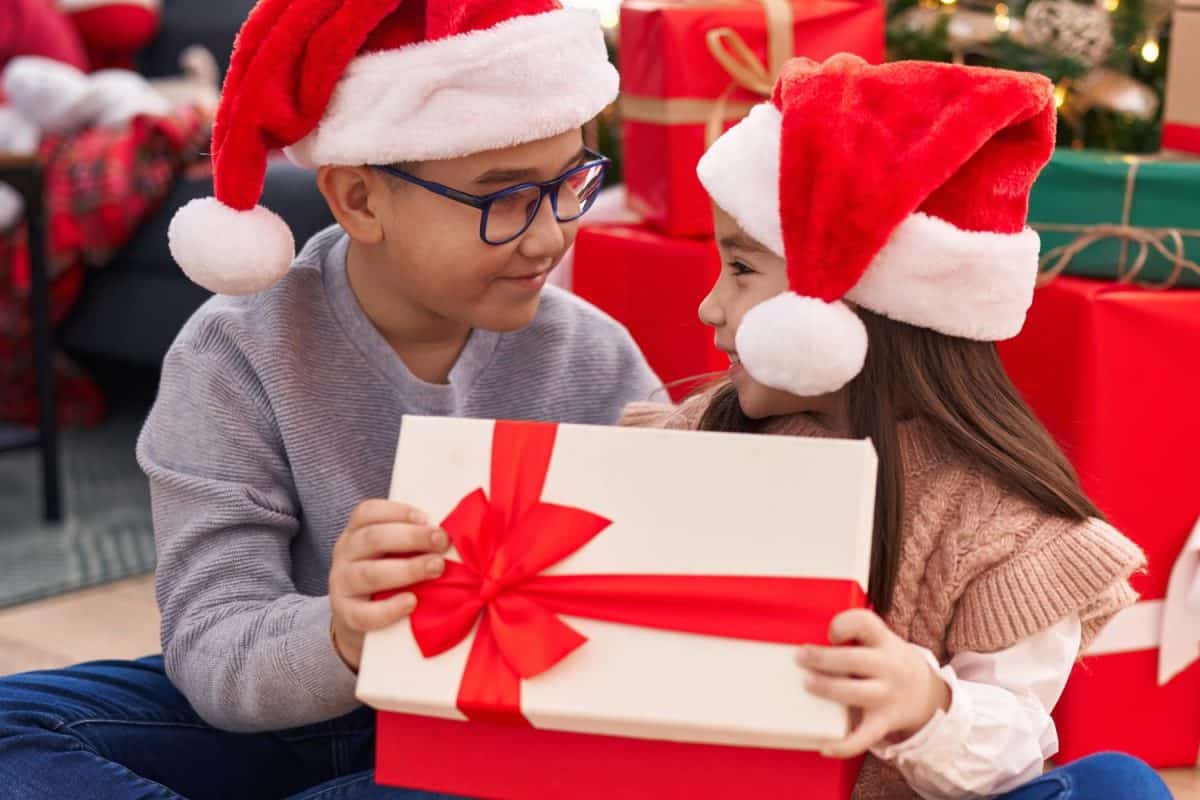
pixel 1151 51
pixel 949 2
pixel 1003 21
pixel 1112 5
pixel 1060 95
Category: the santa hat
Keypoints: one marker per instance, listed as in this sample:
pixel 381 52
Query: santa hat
pixel 901 188
pixel 113 31
pixel 378 82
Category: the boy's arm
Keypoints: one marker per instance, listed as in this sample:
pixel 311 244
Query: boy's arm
pixel 247 650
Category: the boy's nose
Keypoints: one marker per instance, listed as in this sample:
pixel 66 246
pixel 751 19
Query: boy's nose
pixel 545 237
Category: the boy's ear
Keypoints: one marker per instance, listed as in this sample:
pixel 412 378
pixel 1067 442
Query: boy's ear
pixel 353 195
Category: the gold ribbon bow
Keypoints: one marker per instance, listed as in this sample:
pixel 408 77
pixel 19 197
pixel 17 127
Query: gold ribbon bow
pixel 1168 242
pixel 745 70
pixel 731 51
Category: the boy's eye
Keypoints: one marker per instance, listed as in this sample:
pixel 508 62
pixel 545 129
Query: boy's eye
pixel 741 268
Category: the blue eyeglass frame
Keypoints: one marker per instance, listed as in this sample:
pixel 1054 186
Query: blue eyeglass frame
pixel 484 202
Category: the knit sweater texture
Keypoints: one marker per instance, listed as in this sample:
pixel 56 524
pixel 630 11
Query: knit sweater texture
pixel 277 414
pixel 981 568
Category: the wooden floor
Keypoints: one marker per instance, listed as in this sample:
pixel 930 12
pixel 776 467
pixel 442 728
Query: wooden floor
pixel 80 627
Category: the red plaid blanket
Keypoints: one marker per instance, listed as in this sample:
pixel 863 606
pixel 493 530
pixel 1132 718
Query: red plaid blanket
pixel 100 184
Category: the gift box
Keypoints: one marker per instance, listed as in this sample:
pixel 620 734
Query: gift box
pixel 1107 215
pixel 653 284
pixel 1181 114
pixel 599 633
pixel 1109 369
pixel 686 66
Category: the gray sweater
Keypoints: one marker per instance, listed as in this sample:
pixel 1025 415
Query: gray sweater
pixel 277 414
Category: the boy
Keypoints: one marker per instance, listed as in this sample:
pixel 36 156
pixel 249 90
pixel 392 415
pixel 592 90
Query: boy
pixel 446 138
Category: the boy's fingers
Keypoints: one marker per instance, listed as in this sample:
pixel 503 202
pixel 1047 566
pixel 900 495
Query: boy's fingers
pixel 391 538
pixel 373 615
pixel 370 512
pixel 367 577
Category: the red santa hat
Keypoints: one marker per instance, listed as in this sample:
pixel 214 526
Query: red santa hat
pixel 901 188
pixel 378 82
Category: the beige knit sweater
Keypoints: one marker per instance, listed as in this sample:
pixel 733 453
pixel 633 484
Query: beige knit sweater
pixel 980 569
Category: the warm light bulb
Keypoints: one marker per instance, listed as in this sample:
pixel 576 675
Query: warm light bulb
pixel 1003 21
pixel 1150 51
pixel 949 2
pixel 609 10
pixel 1060 95
pixel 1112 5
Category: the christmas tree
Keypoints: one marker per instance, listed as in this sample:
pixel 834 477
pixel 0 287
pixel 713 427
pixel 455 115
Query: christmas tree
pixel 1107 59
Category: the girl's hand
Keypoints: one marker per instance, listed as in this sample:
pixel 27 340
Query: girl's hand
pixel 386 546
pixel 884 679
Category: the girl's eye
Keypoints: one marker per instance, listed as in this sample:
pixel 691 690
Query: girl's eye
pixel 741 268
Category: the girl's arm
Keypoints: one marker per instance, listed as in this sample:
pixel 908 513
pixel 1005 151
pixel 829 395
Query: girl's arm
pixel 248 649
pixel 997 732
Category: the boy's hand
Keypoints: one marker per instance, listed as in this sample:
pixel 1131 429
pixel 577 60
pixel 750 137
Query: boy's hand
pixel 386 546
pixel 884 679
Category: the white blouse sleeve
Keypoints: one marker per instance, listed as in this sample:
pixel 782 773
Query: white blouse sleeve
pixel 997 732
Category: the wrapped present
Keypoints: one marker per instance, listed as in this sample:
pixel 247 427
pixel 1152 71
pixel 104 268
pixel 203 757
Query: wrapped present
pixel 653 284
pixel 598 633
pixel 1119 217
pixel 690 68
pixel 1106 368
pixel 610 208
pixel 1181 115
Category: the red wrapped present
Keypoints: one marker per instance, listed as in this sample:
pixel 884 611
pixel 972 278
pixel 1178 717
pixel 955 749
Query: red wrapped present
pixel 1109 369
pixel 653 284
pixel 592 639
pixel 1181 116
pixel 691 65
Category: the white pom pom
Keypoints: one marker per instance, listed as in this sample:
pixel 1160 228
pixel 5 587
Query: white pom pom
pixel 12 206
pixel 228 251
pixel 120 95
pixel 55 96
pixel 18 134
pixel 802 345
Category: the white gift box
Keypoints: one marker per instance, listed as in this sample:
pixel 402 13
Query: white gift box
pixel 679 504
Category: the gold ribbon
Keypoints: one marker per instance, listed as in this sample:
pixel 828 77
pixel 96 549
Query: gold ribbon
pixel 1168 242
pixel 745 71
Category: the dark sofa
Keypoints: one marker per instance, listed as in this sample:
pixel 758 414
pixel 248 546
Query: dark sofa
pixel 131 310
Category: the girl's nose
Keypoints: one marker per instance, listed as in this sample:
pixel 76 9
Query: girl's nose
pixel 710 310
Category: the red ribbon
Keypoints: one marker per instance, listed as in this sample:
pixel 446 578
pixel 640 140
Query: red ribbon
pixel 506 540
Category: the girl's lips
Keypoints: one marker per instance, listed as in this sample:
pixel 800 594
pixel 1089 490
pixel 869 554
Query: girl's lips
pixel 735 364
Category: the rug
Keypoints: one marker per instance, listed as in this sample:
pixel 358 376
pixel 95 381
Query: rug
pixel 106 533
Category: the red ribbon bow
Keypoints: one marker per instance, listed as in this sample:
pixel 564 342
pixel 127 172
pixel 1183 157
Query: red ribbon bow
pixel 506 540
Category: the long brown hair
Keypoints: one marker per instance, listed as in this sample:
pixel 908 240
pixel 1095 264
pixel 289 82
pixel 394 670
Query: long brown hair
pixel 959 387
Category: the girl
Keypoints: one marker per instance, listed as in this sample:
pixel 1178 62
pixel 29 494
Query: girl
pixel 445 135
pixel 871 221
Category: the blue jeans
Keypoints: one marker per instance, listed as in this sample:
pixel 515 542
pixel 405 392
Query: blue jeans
pixel 1104 776
pixel 119 730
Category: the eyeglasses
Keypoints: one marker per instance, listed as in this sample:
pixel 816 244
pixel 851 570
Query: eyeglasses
pixel 508 213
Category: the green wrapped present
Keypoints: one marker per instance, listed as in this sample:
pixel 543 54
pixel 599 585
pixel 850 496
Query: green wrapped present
pixel 1119 217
